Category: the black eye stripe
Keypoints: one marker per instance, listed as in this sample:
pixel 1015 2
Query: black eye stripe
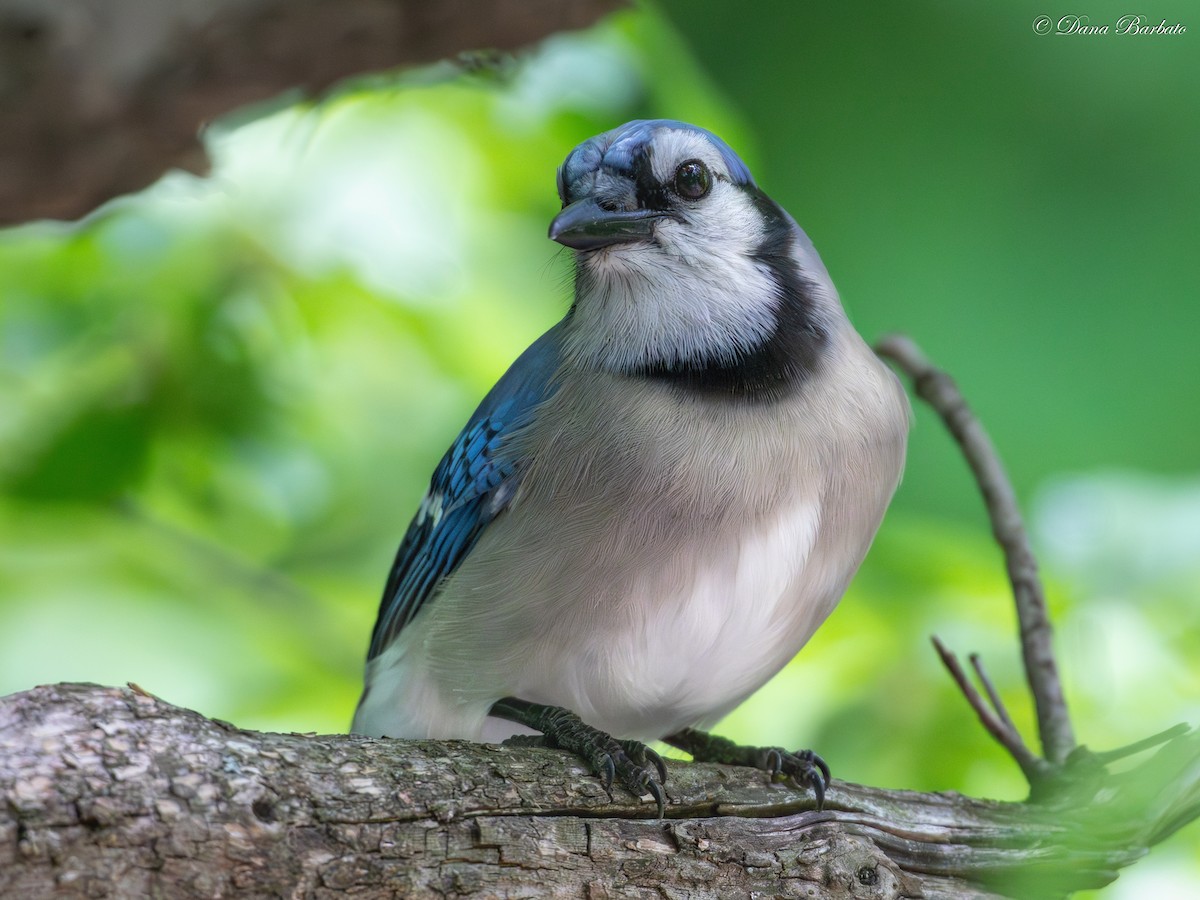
pixel 663 195
pixel 651 194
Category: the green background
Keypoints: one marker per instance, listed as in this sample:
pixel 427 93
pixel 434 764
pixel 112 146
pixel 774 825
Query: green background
pixel 220 400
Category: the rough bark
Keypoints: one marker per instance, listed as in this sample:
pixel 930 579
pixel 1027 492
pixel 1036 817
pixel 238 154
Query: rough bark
pixel 99 99
pixel 111 792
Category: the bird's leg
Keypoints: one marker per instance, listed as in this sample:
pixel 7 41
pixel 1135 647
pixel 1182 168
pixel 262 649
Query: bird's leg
pixel 629 762
pixel 802 768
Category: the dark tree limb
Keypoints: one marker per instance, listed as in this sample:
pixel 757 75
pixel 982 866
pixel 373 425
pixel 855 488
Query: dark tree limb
pixel 113 792
pixel 1037 639
pixel 99 99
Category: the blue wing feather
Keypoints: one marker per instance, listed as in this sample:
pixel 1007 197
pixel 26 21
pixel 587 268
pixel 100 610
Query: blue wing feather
pixel 471 486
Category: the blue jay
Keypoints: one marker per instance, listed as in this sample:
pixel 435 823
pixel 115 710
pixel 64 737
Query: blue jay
pixel 658 504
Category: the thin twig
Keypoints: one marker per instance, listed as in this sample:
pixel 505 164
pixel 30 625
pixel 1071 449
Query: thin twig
pixel 993 695
pixel 1008 737
pixel 1041 671
pixel 1106 756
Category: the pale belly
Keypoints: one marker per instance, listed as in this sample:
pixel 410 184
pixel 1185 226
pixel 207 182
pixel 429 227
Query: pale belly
pixel 687 647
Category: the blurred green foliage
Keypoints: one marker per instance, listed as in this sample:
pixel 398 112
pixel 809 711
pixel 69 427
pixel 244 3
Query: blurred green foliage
pixel 220 400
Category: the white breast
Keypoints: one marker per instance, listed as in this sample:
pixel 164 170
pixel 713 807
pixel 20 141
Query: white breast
pixel 687 656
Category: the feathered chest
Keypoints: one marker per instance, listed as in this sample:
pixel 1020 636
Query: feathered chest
pixel 662 557
pixel 634 449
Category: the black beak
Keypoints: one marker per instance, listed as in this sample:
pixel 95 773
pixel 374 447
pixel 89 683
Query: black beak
pixel 586 225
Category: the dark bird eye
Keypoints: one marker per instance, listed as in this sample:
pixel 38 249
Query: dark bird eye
pixel 692 180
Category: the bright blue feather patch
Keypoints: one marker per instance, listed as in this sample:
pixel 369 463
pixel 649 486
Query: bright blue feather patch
pixel 474 483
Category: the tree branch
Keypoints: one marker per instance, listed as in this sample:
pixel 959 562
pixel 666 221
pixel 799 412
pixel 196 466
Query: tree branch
pixel 100 99
pixel 993 696
pixel 995 722
pixel 1037 639
pixel 111 791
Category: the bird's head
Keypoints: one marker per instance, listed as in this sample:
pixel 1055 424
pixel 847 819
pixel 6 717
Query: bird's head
pixel 685 268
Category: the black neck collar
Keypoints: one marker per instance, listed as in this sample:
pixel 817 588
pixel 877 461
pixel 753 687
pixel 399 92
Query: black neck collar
pixel 781 363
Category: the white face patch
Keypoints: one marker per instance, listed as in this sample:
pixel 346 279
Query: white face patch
pixel 672 147
pixel 695 292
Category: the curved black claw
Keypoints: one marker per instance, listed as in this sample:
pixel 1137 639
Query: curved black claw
pixel 631 763
pixel 802 769
pixel 628 762
pixel 641 754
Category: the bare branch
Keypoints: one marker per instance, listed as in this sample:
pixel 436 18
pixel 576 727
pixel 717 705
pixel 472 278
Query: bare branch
pixel 1034 767
pixel 1155 740
pixel 993 696
pixel 939 390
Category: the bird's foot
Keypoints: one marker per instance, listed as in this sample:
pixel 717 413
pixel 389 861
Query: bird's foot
pixel 637 767
pixel 802 769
